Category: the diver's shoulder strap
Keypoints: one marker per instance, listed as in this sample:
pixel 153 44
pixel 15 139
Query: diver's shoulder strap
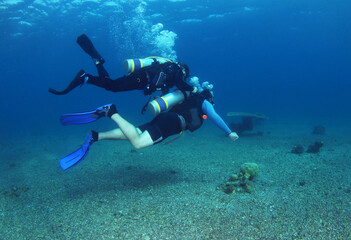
pixel 143 110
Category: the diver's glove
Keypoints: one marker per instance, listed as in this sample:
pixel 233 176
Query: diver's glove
pixel 233 135
pixel 194 90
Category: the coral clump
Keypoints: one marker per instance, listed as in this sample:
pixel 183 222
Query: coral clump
pixel 249 170
pixel 298 149
pixel 240 183
pixel 315 148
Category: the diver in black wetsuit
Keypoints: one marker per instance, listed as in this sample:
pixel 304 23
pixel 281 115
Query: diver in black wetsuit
pixel 156 77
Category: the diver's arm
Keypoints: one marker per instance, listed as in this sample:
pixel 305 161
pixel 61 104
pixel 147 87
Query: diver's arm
pixel 184 86
pixel 180 82
pixel 208 109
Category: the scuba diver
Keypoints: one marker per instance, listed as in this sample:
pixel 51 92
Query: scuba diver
pixel 188 115
pixel 156 77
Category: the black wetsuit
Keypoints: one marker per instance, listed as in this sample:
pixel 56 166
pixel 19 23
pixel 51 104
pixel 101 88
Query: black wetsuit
pixel 149 79
pixel 156 77
pixel 185 116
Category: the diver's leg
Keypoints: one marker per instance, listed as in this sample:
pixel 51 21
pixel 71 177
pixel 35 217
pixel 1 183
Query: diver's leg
pixel 115 134
pixel 101 70
pixel 86 44
pixel 103 81
pixel 127 131
pixel 126 83
pixel 133 135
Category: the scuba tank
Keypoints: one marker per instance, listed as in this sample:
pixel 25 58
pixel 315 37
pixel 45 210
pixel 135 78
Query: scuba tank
pixel 131 65
pixel 166 102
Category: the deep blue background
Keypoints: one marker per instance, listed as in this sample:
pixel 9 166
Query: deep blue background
pixel 286 59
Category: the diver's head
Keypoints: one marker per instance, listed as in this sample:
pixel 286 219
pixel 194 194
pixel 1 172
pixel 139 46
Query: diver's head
pixel 207 94
pixel 185 69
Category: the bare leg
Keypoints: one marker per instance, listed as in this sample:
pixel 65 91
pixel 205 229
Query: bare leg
pixel 115 134
pixel 129 132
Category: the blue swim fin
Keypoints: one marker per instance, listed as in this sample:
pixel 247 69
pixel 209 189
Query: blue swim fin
pixel 85 117
pixel 78 155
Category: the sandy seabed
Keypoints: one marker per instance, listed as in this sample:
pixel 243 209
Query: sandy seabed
pixel 169 191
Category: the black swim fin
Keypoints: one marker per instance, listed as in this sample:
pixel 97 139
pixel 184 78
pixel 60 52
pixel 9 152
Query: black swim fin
pixel 86 44
pixel 78 80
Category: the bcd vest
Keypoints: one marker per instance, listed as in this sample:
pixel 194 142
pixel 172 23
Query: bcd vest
pixel 191 111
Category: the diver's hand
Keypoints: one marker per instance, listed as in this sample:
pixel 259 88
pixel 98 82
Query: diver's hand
pixel 233 136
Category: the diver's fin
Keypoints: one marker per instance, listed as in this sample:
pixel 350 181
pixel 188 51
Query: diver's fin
pixel 73 158
pixel 85 117
pixel 78 80
pixel 78 155
pixel 86 44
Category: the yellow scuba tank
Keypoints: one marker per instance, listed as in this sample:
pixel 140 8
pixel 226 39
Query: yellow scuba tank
pixel 131 65
pixel 166 102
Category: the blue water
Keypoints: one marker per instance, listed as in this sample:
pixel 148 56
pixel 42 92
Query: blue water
pixel 286 59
